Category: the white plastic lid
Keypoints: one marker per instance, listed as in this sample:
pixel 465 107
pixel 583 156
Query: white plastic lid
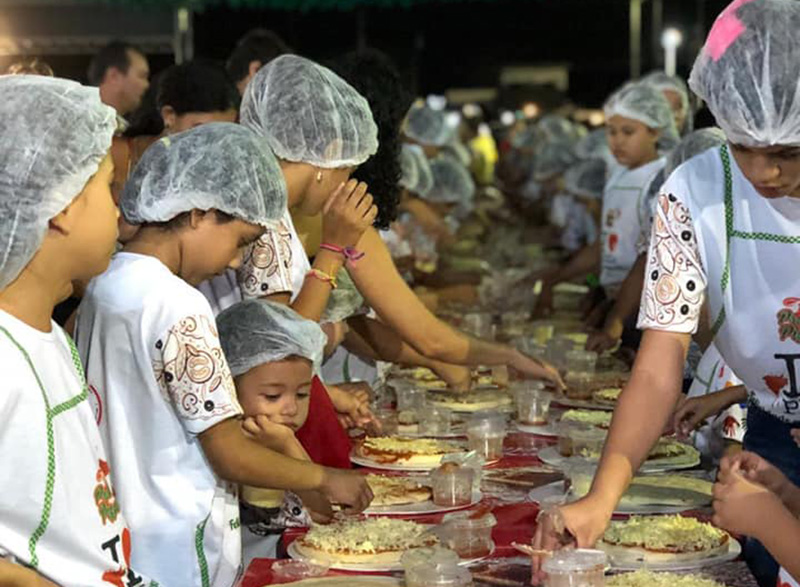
pixel 575 561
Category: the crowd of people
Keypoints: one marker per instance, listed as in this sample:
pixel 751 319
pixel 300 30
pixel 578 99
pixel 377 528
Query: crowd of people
pixel 239 253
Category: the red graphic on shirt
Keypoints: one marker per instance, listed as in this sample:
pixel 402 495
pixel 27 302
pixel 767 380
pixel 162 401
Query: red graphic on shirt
pixel 775 383
pixel 613 241
pixel 789 320
pixel 96 403
pixel 729 426
pixel 115 577
pixel 104 496
pixel 721 372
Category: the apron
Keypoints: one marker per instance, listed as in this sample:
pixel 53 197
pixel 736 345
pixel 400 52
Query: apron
pixel 625 211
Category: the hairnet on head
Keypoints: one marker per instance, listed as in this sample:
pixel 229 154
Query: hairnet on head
pixel 554 159
pixel 646 104
pixel 344 301
pixel 749 72
pixel 254 332
pixel 586 179
pixel 556 128
pixel 452 183
pixel 308 114
pixel 416 175
pixel 672 83
pixel 693 144
pixel 55 135
pixel 220 166
pixel 427 126
pixel 593 146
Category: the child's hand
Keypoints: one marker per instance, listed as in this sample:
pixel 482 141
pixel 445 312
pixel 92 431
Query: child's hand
pixel 693 412
pixel 353 406
pixel 348 489
pixel 347 214
pixel 335 331
pixel 752 468
pixel 742 506
pixel 528 368
pixel 274 436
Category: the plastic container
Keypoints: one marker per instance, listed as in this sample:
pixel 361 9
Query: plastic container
pixel 565 431
pixel 587 442
pixel 542 331
pixel 452 487
pixel 434 567
pixel 435 421
pixel 581 361
pixel 388 423
pixel 470 538
pixel 533 405
pixel 580 385
pixel 294 570
pixel 575 568
pixel 485 435
pixel 557 349
pixel 480 325
pixel 411 399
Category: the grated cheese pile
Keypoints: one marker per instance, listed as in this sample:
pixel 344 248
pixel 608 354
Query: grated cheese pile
pixel 370 536
pixel 665 533
pixel 417 446
pixel 646 578
pixel 609 395
pixel 591 417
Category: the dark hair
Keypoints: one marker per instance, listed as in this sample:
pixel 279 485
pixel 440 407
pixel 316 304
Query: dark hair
pixel 257 45
pixel 114 55
pixel 376 78
pixel 196 86
pixel 30 66
pixel 182 220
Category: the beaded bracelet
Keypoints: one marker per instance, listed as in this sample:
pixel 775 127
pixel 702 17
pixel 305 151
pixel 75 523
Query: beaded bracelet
pixel 351 254
pixel 322 276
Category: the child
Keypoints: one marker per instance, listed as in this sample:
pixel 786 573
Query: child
pixel 273 354
pixel 638 120
pixel 168 409
pixel 58 516
pixel 584 183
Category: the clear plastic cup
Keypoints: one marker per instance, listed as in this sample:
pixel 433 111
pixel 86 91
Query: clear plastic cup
pixel 295 570
pixel 588 442
pixel 434 567
pixel 581 361
pixel 470 538
pixel 566 447
pixel 575 568
pixel 480 325
pixel 452 486
pixel 411 398
pixel 485 435
pixel 579 385
pixel 542 331
pixel 557 349
pixel 533 405
pixel 435 421
pixel 387 423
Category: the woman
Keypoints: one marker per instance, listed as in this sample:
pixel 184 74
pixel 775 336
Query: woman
pixel 725 233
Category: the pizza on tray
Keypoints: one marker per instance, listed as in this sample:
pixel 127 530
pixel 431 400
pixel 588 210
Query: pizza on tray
pixel 371 541
pixel 607 396
pixel 645 578
pixel 662 539
pixel 415 452
pixel 596 418
pixel 648 490
pixel 666 452
pixel 390 491
pixel 473 401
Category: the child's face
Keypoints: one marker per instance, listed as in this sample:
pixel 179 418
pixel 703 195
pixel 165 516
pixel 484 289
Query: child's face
pixel 773 171
pixel 279 390
pixel 632 143
pixel 318 192
pixel 210 246
pixel 93 229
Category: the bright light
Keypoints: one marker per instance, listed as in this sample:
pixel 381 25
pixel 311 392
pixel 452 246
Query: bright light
pixel 671 38
pixel 508 118
pixel 452 119
pixel 597 118
pixel 530 110
pixel 471 110
pixel 437 102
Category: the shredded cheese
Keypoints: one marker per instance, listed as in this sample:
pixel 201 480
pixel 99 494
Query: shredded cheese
pixel 644 578
pixel 665 534
pixel 370 536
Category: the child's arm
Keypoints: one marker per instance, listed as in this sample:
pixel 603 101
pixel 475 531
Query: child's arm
pixel 694 411
pixel 242 460
pixel 14 575
pixel 758 470
pixel 586 260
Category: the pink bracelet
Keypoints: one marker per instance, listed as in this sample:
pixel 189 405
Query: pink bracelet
pixel 350 254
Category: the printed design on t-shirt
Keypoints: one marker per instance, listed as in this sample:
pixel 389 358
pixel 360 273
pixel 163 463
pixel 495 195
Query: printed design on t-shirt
pixel 123 575
pixel 789 320
pixel 730 425
pixel 97 404
pixel 612 216
pixel 104 497
pixel 672 295
pixel 266 264
pixel 192 370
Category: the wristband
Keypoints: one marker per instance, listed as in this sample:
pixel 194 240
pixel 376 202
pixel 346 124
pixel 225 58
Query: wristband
pixel 322 276
pixel 351 254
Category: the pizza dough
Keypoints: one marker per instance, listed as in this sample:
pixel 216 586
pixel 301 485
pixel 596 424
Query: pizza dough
pixel 648 490
pixel 645 578
pixel 415 452
pixel 371 541
pixel 348 581
pixel 667 452
pixel 595 418
pixel 608 396
pixel 396 490
pixel 473 401
pixel 662 539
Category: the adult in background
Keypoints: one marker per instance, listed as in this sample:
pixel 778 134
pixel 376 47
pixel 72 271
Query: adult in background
pixel 252 52
pixel 122 73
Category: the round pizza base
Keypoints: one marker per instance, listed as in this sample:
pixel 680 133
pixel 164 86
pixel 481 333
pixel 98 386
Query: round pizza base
pixel 461 408
pixel 568 402
pixel 389 561
pixel 421 508
pixel 552 457
pixel 631 559
pixel 348 582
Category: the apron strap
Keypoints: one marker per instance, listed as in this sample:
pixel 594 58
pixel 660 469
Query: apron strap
pixel 726 272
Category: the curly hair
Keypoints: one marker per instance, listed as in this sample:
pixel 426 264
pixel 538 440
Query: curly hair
pixel 377 79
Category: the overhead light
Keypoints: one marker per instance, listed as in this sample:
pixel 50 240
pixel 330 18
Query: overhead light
pixel 471 110
pixel 671 38
pixel 436 102
pixel 531 110
pixel 508 118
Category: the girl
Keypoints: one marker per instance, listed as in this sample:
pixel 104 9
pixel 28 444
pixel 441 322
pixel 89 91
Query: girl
pixel 273 354
pixel 726 234
pixel 584 183
pixel 58 517
pixel 311 153
pixel 167 405
pixel 638 121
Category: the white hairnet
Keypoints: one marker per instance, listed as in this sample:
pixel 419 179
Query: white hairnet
pixel 308 114
pixel 416 175
pixel 593 146
pixel 427 126
pixel 452 183
pixel 646 104
pixel 220 166
pixel 55 135
pixel 693 144
pixel 254 332
pixel 663 82
pixel 556 128
pixel 749 72
pixel 553 159
pixel 344 301
pixel 586 179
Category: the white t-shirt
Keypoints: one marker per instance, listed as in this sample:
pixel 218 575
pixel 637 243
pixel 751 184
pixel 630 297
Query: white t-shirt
pixel 152 353
pixel 58 513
